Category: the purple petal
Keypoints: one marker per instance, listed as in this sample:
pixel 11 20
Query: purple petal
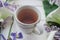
pixel 48 29
pixel 6 4
pixel 1 4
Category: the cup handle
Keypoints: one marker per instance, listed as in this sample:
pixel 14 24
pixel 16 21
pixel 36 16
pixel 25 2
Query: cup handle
pixel 37 31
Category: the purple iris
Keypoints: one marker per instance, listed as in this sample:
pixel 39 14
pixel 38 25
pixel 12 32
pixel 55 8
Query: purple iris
pixel 20 36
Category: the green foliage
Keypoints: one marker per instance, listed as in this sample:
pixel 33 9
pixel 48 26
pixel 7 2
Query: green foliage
pixel 48 8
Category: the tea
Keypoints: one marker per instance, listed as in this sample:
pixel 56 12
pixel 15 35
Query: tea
pixel 27 16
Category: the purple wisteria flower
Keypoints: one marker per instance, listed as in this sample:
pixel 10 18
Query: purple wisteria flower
pixel 1 4
pixel 6 4
pixel 11 7
pixel 57 35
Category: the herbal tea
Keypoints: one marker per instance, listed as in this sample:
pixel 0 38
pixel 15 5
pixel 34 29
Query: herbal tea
pixel 27 16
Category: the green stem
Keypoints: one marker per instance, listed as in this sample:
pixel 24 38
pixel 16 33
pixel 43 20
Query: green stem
pixel 10 28
pixel 6 0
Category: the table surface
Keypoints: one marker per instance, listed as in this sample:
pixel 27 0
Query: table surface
pixel 16 28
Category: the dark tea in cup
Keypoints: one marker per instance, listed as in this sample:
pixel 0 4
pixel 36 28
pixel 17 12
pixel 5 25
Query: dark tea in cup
pixel 27 16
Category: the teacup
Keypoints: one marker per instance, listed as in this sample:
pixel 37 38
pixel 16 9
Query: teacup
pixel 27 18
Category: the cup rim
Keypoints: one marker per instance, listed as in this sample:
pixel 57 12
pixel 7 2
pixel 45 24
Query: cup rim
pixel 32 7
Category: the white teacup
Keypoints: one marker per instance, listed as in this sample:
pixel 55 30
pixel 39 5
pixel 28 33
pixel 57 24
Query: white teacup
pixel 27 28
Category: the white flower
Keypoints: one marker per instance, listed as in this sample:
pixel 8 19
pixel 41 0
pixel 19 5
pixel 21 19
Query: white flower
pixel 57 2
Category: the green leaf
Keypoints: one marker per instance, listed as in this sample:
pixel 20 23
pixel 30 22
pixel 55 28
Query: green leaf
pixel 54 17
pixel 48 8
